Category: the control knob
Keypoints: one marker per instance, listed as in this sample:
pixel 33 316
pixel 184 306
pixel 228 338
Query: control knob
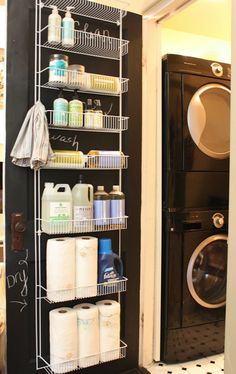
pixel 217 69
pixel 218 220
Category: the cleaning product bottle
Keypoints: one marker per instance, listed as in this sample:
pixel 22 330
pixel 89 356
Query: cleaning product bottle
pixel 56 208
pixel 117 205
pixel 101 206
pixel 82 205
pixel 110 266
pixel 75 112
pixel 89 114
pixel 98 115
pixel 68 29
pixel 60 111
pixel 54 26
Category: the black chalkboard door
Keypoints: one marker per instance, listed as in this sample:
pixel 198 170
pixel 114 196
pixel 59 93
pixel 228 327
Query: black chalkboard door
pixel 19 189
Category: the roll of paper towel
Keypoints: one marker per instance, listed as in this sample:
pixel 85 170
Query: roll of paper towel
pixel 88 334
pixel 63 340
pixel 86 266
pixel 109 322
pixel 61 269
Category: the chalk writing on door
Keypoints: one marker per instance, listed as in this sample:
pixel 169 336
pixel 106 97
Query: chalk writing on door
pixel 72 140
pixel 20 280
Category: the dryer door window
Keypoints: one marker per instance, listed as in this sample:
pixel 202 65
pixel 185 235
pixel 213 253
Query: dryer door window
pixel 206 274
pixel 209 120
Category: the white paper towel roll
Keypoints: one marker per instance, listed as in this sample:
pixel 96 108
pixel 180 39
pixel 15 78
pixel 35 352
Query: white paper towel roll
pixel 86 266
pixel 63 340
pixel 88 335
pixel 61 269
pixel 109 321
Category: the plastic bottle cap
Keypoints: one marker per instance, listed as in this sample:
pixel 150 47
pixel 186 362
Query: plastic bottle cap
pixel 100 188
pixel 47 184
pixel 105 246
pixel 116 188
pixel 81 179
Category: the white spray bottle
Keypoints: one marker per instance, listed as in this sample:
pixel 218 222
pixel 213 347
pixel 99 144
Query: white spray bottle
pixel 68 29
pixel 54 26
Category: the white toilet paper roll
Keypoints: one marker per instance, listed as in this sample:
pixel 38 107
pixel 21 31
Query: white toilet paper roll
pixel 86 266
pixel 63 340
pixel 61 269
pixel 88 335
pixel 109 321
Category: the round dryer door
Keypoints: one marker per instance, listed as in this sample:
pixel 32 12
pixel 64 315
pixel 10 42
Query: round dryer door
pixel 206 274
pixel 209 120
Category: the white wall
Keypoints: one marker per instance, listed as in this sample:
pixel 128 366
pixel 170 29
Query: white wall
pixel 230 341
pixel 188 44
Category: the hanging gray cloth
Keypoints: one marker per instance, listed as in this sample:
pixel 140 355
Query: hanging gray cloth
pixel 32 147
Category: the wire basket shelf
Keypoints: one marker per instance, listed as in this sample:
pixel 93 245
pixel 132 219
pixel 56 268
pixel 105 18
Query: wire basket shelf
pixel 101 289
pixel 86 8
pixel 81 363
pixel 91 44
pixel 83 226
pixel 71 80
pixel 77 161
pixel 77 121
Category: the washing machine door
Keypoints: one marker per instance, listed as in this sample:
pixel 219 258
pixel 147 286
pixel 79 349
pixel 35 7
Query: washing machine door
pixel 209 120
pixel 206 272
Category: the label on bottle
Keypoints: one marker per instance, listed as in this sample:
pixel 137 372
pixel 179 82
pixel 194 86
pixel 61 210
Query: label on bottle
pixel 60 115
pixel 117 210
pixel 60 211
pixel 89 119
pixel 101 211
pixel 67 31
pixel 75 113
pixel 98 120
pixel 54 30
pixel 82 213
pixel 110 275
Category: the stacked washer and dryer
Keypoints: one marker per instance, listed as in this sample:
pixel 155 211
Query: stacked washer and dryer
pixel 196 144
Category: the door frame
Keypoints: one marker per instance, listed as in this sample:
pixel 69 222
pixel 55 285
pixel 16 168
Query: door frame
pixel 151 236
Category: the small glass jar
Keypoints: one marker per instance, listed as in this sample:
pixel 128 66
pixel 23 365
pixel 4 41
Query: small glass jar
pixel 76 76
pixel 58 66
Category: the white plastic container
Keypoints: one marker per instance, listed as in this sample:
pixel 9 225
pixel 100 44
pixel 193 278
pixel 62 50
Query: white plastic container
pixel 56 208
pixel 82 194
pixel 68 29
pixel 54 27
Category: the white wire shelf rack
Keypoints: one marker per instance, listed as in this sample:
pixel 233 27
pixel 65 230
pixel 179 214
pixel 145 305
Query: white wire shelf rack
pixel 76 161
pixel 71 365
pixel 76 121
pixel 70 80
pixel 91 44
pixel 90 9
pixel 83 226
pixel 101 289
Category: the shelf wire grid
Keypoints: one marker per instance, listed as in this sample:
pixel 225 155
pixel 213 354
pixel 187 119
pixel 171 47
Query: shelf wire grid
pixel 71 80
pixel 75 121
pixel 83 226
pixel 70 365
pixel 101 289
pixel 89 9
pixel 91 44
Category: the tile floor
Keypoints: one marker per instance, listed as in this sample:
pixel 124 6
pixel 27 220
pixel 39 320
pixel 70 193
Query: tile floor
pixel 207 365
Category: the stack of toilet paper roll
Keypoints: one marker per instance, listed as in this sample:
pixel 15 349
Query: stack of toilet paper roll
pixel 72 268
pixel 84 335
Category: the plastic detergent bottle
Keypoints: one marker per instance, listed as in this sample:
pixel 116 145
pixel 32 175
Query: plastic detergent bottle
pixel 75 112
pixel 60 111
pixel 101 206
pixel 117 205
pixel 110 266
pixel 56 206
pixel 82 203
pixel 54 26
pixel 68 29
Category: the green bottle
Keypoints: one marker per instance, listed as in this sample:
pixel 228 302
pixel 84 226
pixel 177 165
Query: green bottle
pixel 75 112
